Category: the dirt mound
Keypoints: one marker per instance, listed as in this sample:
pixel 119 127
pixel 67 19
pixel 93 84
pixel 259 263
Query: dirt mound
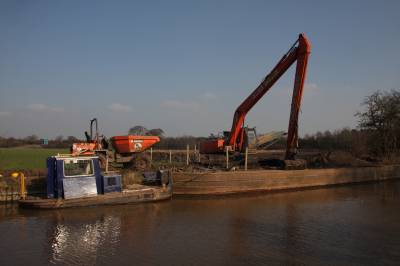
pixel 338 159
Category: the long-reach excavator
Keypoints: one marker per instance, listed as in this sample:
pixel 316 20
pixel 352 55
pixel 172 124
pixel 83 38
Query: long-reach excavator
pixel 237 138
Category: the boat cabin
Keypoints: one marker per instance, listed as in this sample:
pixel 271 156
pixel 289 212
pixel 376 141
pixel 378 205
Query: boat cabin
pixel 71 177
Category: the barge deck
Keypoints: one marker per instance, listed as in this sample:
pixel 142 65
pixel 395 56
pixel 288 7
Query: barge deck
pixel 138 195
pixel 234 182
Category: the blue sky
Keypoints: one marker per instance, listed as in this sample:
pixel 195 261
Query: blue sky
pixel 184 66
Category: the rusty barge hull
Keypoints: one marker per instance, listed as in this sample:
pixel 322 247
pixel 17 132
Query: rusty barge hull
pixel 229 182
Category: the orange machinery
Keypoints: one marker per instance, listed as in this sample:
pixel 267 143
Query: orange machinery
pixel 123 148
pixel 235 140
pixel 132 143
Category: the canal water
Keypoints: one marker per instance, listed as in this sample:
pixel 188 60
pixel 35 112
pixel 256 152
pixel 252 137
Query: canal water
pixel 353 225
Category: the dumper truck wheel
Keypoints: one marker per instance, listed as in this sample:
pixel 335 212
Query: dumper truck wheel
pixel 142 162
pixel 139 163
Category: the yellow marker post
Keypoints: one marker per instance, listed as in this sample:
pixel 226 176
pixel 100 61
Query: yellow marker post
pixel 22 189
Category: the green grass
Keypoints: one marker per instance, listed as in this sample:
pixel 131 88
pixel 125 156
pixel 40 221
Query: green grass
pixel 26 158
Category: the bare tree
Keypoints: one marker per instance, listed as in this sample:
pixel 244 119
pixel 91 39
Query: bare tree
pixel 32 139
pixel 142 131
pixel 72 139
pixel 381 119
pixel 156 132
pixel 138 130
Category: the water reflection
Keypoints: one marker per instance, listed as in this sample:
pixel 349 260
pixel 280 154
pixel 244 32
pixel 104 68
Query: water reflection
pixel 344 225
pixel 73 242
pixel 92 235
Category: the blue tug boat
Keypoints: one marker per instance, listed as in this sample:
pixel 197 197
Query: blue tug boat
pixel 75 181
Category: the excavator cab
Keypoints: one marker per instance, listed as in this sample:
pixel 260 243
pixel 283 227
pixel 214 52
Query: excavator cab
pixel 250 138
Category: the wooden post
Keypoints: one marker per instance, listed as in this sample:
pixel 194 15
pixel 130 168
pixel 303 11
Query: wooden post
pixel 106 161
pixel 199 156
pixel 7 188
pixel 245 158
pixel 194 153
pixel 151 155
pixel 187 154
pixel 227 158
pixel 170 156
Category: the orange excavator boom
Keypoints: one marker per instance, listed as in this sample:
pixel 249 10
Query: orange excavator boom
pixel 298 52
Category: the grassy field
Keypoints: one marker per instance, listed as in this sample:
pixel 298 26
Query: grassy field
pixel 26 158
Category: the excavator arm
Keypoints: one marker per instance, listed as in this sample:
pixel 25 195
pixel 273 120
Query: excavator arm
pixel 298 52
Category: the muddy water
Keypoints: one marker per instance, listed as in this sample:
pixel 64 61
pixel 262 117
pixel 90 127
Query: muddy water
pixel 357 225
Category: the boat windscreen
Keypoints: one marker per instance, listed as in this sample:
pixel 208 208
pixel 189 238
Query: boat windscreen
pixel 73 168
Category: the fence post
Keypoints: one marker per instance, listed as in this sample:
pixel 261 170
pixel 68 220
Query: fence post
pixel 227 158
pixel 199 156
pixel 106 161
pixel 194 153
pixel 170 156
pixel 245 158
pixel 187 154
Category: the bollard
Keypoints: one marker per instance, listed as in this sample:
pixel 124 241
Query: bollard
pixel 151 155
pixel 170 156
pixel 22 188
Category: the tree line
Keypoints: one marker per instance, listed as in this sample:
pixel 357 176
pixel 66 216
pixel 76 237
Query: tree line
pixel 377 132
pixel 33 140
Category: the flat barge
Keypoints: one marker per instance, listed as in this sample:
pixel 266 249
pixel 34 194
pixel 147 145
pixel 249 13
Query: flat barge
pixel 234 182
pixel 140 194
